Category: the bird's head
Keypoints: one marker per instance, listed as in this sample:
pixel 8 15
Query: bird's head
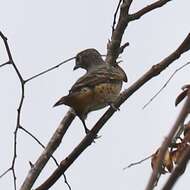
pixel 88 59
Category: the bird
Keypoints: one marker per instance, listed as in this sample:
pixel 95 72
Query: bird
pixel 97 88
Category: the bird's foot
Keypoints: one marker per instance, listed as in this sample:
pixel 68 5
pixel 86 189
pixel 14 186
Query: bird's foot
pixel 113 106
pixel 87 131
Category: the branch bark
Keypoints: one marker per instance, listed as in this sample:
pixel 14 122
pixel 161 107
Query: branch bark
pixel 11 62
pixel 154 71
pixel 148 8
pixel 113 51
pixel 182 115
pixel 48 151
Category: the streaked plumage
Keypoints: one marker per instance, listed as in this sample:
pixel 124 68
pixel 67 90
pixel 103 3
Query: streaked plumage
pixel 99 87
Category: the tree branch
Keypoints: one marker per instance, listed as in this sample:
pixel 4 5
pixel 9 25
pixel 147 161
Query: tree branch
pixel 12 168
pixel 166 143
pixel 54 159
pixel 18 124
pixel 113 46
pixel 48 151
pixel 48 70
pixel 138 162
pixel 115 15
pixel 154 71
pixel 147 9
pixel 165 84
pixel 7 63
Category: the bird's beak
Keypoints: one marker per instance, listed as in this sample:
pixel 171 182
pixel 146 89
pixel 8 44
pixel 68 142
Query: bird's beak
pixel 76 67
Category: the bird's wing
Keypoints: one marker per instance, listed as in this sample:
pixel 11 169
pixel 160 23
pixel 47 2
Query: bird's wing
pixel 98 76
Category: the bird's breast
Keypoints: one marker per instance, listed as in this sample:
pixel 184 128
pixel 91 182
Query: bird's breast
pixel 105 93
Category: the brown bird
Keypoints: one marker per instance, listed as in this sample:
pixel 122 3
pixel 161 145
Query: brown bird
pixel 98 88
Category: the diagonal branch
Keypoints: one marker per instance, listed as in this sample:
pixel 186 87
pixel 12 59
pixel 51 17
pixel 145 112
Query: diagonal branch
pixel 181 117
pixel 147 9
pixel 7 63
pixel 138 162
pixel 165 84
pixel 154 71
pixel 54 159
pixel 48 70
pixel 30 134
pixel 48 151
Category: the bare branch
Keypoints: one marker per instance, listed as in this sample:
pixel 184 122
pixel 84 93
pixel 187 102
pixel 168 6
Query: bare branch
pixel 7 63
pixel 147 9
pixel 48 70
pixel 165 84
pixel 54 159
pixel 154 71
pixel 113 46
pixel 139 162
pixel 19 107
pixel 30 134
pixel 182 115
pixel 48 151
pixel 115 15
pixel 18 125
pixel 4 38
pixel 121 49
pixel 5 172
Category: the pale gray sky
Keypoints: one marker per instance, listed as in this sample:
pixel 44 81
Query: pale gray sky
pixel 42 34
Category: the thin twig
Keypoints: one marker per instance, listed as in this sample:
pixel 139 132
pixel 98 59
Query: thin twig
pixel 165 84
pixel 19 107
pixel 7 63
pixel 48 151
pixel 54 159
pixel 5 172
pixel 50 69
pixel 30 134
pixel 139 162
pixel 115 15
pixel 18 125
pixel 147 9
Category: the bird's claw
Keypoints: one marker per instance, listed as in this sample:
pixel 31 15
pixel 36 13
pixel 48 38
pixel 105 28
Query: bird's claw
pixel 87 131
pixel 113 107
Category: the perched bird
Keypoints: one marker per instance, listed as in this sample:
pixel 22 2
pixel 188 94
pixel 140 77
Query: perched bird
pixel 98 88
